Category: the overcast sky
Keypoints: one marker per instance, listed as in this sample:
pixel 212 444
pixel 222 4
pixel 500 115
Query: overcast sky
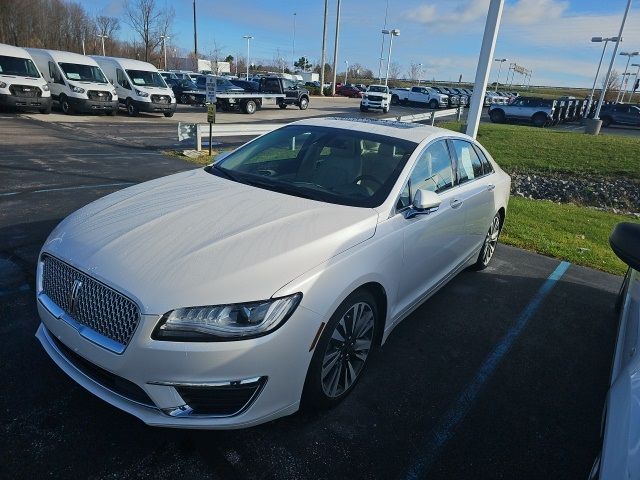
pixel 550 37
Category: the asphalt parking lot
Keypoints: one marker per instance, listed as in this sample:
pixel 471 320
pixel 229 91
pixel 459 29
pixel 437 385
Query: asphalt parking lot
pixel 502 374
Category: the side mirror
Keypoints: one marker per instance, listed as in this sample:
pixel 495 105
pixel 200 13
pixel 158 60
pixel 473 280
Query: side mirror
pixel 625 243
pixel 424 202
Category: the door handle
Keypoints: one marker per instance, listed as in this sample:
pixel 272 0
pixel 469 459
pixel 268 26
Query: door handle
pixel 455 203
pixel 491 187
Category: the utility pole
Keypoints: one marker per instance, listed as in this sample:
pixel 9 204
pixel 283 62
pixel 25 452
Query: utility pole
pixel 484 62
pixel 248 37
pixel 335 50
pixel 324 47
pixel 102 37
pixel 195 31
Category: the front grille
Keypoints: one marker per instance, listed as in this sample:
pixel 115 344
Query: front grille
pixel 161 99
pixel 99 95
pixel 25 91
pixel 95 305
pixel 113 382
pixel 220 400
pixel 374 98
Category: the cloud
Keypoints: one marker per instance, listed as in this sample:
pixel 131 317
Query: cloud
pixel 455 13
pixel 525 12
pixel 422 14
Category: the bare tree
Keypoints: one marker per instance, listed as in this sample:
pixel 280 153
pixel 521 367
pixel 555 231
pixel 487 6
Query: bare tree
pixel 415 70
pixel 279 62
pixel 149 21
pixel 394 70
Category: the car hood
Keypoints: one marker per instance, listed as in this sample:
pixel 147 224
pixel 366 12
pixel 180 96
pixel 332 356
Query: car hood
pixel 197 239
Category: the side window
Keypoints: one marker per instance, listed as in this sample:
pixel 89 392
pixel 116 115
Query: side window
pixel 469 165
pixel 122 80
pixel 487 168
pixel 432 172
pixel 54 73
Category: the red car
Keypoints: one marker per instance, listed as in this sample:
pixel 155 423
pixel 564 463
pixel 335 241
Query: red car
pixel 349 91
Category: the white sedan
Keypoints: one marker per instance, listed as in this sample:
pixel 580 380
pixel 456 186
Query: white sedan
pixel 228 296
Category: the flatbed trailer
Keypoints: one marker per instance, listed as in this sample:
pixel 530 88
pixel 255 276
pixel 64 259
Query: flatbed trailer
pixel 248 102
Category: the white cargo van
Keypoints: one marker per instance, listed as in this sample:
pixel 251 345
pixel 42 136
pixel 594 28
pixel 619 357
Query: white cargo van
pixel 21 83
pixel 139 85
pixel 77 83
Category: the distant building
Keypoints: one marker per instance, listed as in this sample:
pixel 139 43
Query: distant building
pixel 204 66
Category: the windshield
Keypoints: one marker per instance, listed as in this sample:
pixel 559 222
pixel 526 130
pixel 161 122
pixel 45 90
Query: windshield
pixel 332 165
pixel 144 78
pixel 22 67
pixel 378 89
pixel 83 73
pixel 187 84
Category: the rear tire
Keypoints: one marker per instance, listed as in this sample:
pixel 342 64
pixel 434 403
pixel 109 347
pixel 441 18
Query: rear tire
pixel 341 355
pixel 250 107
pixel 497 116
pixel 489 245
pixel 539 120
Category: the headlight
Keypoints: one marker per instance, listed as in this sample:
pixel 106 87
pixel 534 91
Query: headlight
pixel 141 93
pixel 45 87
pixel 226 322
pixel 113 92
pixel 364 95
pixel 3 85
pixel 76 89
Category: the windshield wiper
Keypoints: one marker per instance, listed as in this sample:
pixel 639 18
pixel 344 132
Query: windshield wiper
pixel 224 172
pixel 285 188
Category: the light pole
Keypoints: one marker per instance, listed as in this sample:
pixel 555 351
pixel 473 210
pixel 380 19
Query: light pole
pixel 248 37
pixel 335 50
pixel 635 80
pixel 501 60
pixel 293 48
pixel 164 48
pixel 623 87
pixel 594 128
pixel 595 80
pixel 324 50
pixel 392 33
pixel 346 72
pixel 102 37
pixel 384 27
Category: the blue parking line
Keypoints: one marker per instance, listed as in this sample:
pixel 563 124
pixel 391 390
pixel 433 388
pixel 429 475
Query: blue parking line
pixel 445 428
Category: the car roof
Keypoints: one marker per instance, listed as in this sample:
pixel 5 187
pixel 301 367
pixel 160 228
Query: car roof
pixel 126 63
pixel 12 51
pixel 413 132
pixel 64 57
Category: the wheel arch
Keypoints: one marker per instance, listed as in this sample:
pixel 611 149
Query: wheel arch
pixel 380 294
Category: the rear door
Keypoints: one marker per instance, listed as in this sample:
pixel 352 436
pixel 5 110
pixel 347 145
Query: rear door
pixel 475 191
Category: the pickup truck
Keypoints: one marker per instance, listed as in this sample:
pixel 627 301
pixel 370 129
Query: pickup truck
pixel 271 91
pixel 538 111
pixel 376 96
pixel 419 95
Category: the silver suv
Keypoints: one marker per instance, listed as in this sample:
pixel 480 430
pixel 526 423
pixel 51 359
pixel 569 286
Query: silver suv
pixel 538 111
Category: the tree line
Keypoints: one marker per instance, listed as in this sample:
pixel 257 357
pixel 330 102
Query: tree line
pixel 66 25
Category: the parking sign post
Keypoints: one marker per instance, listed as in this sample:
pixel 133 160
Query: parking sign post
pixel 211 107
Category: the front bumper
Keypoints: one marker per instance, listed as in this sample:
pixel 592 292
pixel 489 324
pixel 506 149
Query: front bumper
pixel 154 107
pixel 87 105
pixel 380 104
pixel 159 369
pixel 24 102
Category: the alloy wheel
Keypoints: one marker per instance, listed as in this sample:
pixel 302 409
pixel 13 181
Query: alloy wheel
pixel 491 241
pixel 347 350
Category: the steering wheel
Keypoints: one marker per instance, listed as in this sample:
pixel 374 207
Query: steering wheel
pixel 368 177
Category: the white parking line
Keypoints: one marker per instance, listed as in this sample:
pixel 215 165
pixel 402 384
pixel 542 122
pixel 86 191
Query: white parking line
pixel 54 154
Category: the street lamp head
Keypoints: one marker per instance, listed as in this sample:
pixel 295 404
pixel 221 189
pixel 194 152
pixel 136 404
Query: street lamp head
pixel 598 39
pixel 247 37
pixel 500 60
pixel 395 32
pixel 635 64
pixel 629 54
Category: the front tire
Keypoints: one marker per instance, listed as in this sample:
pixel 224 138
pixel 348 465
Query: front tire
pixel 497 116
pixel 46 110
pixel 65 106
pixel 168 114
pixel 304 103
pixel 606 121
pixel 489 246
pixel 342 353
pixel 539 120
pixel 385 110
pixel 395 99
pixel 132 111
pixel 433 104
